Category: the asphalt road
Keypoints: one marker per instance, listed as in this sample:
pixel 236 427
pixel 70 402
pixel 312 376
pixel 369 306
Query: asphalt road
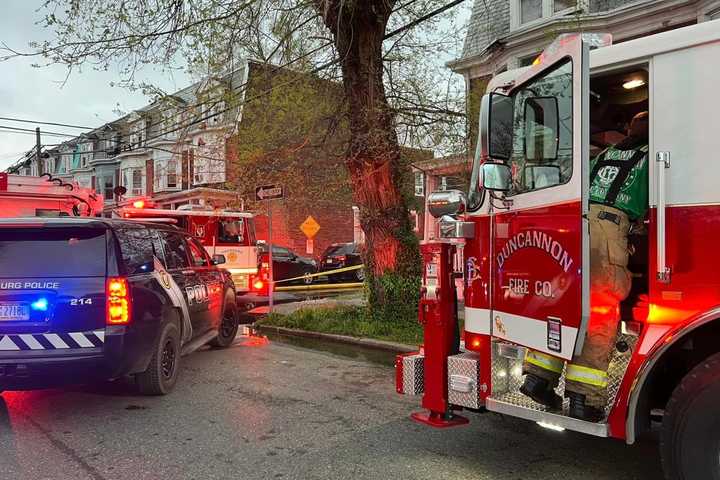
pixel 266 410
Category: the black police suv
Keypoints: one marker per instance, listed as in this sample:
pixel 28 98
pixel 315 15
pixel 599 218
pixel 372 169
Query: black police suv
pixel 95 299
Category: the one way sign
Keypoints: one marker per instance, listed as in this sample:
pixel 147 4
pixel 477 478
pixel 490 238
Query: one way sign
pixel 269 192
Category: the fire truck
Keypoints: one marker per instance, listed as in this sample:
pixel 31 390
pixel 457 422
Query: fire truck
pixel 524 223
pixel 221 232
pixel 45 196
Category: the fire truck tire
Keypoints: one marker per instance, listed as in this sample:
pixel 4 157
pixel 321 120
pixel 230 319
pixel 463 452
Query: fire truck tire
pixel 228 327
pixel 162 371
pixel 690 439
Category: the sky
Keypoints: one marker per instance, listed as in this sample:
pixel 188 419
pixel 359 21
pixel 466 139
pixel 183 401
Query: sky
pixel 38 94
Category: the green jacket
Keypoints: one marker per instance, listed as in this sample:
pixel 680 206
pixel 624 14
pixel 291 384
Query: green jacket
pixel 619 178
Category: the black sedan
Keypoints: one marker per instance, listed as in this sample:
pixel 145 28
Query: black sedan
pixel 340 255
pixel 287 264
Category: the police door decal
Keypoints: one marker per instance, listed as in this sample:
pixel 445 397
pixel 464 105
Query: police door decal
pixel 176 296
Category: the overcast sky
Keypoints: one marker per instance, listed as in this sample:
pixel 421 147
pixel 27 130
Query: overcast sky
pixel 87 99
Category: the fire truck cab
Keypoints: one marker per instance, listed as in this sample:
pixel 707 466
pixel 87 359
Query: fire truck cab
pixel 45 196
pixel 527 257
pixel 221 232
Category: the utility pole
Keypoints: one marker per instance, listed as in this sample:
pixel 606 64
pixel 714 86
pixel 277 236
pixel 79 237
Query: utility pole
pixel 37 150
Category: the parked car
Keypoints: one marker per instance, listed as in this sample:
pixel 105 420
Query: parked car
pixel 287 264
pixel 98 299
pixel 341 255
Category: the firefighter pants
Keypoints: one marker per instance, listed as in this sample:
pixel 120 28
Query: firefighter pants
pixel 610 283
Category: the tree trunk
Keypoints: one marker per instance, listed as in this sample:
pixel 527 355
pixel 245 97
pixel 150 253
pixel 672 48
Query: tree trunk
pixel 373 157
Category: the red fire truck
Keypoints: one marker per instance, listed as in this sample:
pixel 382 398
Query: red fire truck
pixel 45 196
pixel 221 232
pixel 527 256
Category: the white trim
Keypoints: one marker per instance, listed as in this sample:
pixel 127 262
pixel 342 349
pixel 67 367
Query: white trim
pixel 532 333
pixel 80 339
pixel 652 335
pixel 478 320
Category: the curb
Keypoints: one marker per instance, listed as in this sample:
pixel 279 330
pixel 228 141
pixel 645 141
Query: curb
pixel 364 342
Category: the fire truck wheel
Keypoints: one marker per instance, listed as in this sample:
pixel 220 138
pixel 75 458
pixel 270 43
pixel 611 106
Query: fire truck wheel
pixel 228 327
pixel 162 371
pixel 690 440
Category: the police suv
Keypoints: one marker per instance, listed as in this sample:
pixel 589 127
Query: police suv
pixel 93 299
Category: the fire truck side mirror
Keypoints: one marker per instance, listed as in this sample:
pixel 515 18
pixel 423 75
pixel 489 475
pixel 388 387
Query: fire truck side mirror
pixel 496 126
pixel 496 177
pixel 447 202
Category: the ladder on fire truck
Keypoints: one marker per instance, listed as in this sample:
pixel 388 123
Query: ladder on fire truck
pixel 24 196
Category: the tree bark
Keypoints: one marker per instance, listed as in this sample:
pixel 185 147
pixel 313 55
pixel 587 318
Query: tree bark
pixel 373 156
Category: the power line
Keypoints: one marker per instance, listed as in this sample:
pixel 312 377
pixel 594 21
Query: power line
pixel 422 19
pixel 22 120
pixel 27 131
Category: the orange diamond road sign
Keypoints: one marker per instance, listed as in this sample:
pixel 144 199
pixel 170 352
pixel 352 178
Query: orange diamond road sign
pixel 310 227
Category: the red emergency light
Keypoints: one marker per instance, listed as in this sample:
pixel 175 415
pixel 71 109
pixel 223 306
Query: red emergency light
pixel 139 204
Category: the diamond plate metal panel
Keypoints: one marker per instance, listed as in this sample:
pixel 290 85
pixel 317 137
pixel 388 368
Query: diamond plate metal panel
pixel 464 379
pixel 507 377
pixel 413 374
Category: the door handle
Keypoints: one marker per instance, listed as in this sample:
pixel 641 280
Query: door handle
pixel 662 161
pixel 188 272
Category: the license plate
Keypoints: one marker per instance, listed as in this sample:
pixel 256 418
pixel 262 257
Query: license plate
pixel 329 260
pixel 14 311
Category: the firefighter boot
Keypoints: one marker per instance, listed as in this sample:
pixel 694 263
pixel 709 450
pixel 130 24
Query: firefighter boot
pixel 580 410
pixel 541 392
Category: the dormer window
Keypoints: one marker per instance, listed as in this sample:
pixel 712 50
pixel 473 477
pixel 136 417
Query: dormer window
pixel 524 12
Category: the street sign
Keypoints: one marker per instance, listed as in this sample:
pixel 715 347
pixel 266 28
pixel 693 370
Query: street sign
pixel 310 227
pixel 269 192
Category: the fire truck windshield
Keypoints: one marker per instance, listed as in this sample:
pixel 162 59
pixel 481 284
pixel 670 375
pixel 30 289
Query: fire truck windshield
pixel 231 231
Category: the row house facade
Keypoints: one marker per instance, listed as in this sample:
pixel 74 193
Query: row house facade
pixel 173 150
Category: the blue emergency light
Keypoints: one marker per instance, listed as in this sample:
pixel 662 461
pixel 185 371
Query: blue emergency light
pixel 41 304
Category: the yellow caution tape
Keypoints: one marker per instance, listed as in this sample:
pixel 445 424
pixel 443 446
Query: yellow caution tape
pixel 319 286
pixel 322 274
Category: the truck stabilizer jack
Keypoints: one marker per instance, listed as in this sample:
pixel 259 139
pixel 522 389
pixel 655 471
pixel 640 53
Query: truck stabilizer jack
pixel 438 315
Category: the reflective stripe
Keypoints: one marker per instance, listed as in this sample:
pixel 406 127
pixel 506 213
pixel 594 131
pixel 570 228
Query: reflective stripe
pixel 587 375
pixel 544 361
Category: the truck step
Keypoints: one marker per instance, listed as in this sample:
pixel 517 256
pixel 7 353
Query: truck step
pixel 555 421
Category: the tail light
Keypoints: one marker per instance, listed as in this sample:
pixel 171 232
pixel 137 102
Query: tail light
pixel 341 258
pixel 118 301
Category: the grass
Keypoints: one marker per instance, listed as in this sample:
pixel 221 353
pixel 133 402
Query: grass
pixel 354 321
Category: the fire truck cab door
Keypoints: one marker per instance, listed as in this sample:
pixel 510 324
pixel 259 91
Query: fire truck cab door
pixel 541 235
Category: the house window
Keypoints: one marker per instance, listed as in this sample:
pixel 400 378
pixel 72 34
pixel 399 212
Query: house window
pixel 523 12
pixel 172 173
pixel 560 5
pixel 530 10
pixel 443 183
pixel 137 181
pixel 419 184
pixel 108 187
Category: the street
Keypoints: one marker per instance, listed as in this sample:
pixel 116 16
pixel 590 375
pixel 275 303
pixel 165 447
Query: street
pixel 264 409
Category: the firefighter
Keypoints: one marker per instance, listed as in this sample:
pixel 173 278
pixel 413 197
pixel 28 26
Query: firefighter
pixel 618 197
